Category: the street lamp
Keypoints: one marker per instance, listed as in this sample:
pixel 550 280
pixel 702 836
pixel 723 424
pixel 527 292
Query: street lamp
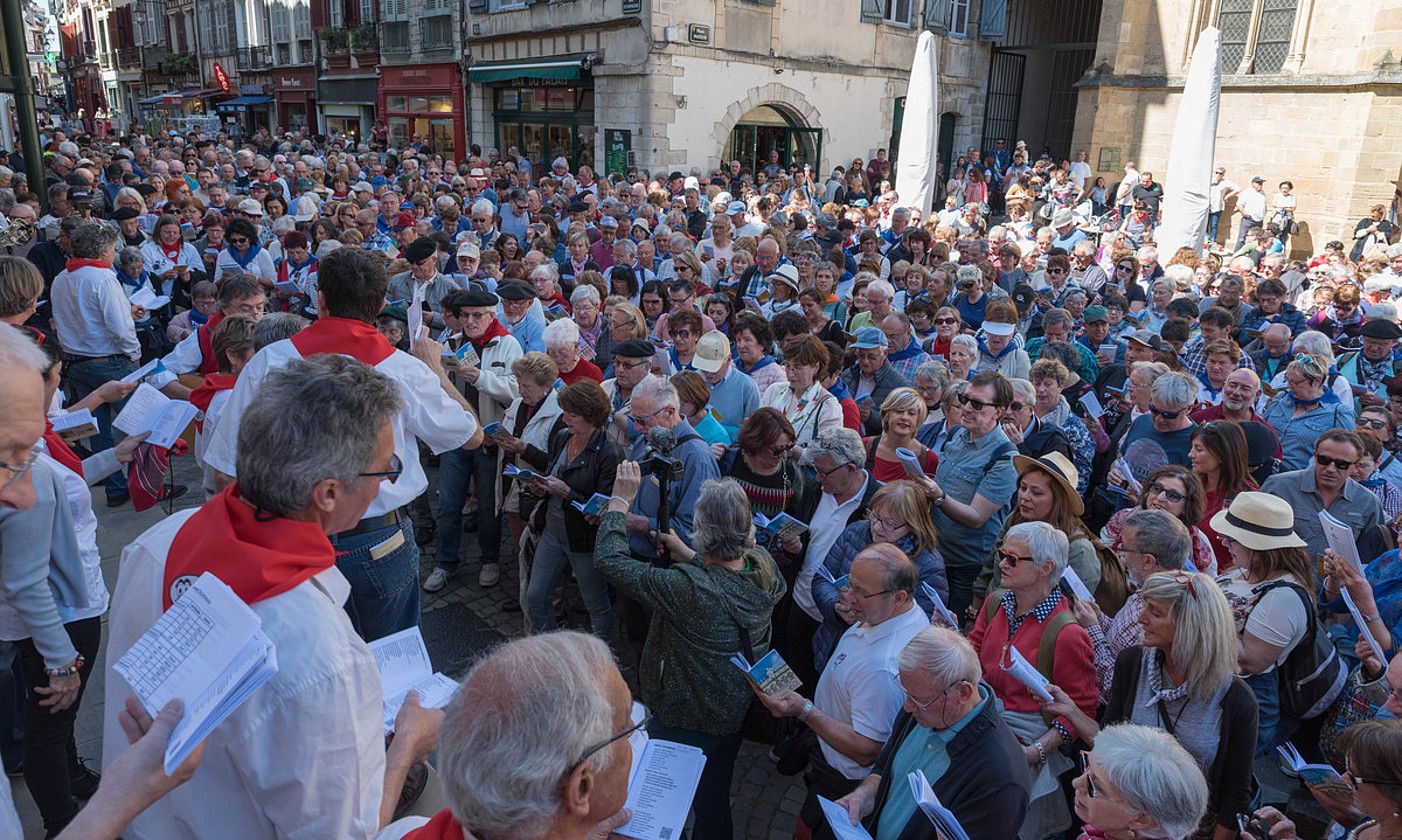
pixel 139 16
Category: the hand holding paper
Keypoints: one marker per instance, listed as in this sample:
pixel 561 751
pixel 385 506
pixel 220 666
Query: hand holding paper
pixel 1020 668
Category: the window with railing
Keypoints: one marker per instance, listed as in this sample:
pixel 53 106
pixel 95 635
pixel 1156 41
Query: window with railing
pixel 396 37
pixel 1256 34
pixel 436 32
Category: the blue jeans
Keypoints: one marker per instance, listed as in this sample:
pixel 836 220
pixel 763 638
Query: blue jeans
pixel 86 377
pixel 551 557
pixel 711 804
pixel 1269 729
pixel 1212 221
pixel 384 578
pixel 458 470
pixel 961 587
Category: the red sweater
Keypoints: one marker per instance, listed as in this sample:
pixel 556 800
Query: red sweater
pixel 583 370
pixel 1073 668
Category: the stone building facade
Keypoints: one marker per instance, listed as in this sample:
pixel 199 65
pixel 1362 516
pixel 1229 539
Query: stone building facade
pixel 676 84
pixel 1311 93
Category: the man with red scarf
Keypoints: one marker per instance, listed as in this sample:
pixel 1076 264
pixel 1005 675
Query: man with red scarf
pixel 378 556
pixel 239 294
pixel 494 740
pixel 490 387
pixel 304 756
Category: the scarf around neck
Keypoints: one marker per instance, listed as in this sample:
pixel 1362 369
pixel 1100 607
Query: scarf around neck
pixel 346 336
pixel 493 331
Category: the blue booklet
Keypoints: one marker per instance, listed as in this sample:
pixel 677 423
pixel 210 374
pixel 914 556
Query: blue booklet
pixel 594 507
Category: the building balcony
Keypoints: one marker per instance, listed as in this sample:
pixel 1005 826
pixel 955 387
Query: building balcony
pixel 129 57
pixel 254 58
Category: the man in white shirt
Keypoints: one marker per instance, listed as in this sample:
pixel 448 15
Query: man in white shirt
pixel 1218 192
pixel 97 331
pixel 239 294
pixel 1080 170
pixel 1252 204
pixel 859 694
pixel 379 555
pixel 304 756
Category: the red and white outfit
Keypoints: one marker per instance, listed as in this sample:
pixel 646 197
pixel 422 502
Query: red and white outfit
pixel 160 259
pixel 210 398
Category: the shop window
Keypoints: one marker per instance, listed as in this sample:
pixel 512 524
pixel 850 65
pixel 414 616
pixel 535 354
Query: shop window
pixel 1256 34
pixel 396 103
pixel 418 104
pixel 440 104
pixel 436 32
pixel 397 130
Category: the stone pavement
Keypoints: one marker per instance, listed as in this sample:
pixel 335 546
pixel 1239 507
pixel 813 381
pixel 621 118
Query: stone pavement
pixel 765 804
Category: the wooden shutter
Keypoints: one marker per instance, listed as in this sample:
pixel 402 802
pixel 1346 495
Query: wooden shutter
pixel 937 16
pixel 994 22
pixel 873 11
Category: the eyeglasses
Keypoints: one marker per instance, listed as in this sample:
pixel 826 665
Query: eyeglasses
pixel 946 321
pixel 825 473
pixel 1167 415
pixel 238 240
pixel 1012 558
pixel 874 518
pixel 978 404
pixel 1157 489
pixel 1371 423
pixel 1124 268
pixel 1016 406
pixel 396 467
pixel 1090 780
pixel 1340 463
pixel 681 333
pixel 17 470
pixel 642 724
pixel 638 421
pixel 855 590
pixel 922 706
pixel 1056 271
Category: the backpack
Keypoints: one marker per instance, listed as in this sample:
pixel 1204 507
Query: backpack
pixel 1046 646
pixel 1313 675
pixel 1113 589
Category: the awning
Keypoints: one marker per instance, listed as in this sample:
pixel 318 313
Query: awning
pixel 176 97
pixel 240 104
pixel 151 100
pixel 548 68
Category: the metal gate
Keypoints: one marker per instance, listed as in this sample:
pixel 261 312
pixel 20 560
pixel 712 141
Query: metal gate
pixel 1005 70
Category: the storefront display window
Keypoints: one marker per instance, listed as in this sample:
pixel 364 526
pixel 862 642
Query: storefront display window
pixel 545 121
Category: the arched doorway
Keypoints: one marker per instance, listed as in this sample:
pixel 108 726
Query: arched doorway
pixel 770 128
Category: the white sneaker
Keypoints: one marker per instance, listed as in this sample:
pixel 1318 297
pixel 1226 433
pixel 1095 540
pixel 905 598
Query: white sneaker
pixel 490 574
pixel 437 579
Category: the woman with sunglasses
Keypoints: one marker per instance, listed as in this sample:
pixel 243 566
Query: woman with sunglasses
pixel 1218 454
pixel 1175 491
pixel 947 325
pixel 759 460
pixel 1182 679
pixel 244 254
pixel 1139 782
pixel 899 514
pixel 1304 410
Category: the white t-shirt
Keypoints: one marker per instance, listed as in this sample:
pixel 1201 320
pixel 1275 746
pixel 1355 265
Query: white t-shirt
pixel 860 684
pixel 1080 173
pixel 1278 618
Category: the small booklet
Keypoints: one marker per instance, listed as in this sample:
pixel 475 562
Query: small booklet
pixel 145 372
pixel 1340 538
pixel 594 507
pixel 74 426
pixel 840 823
pixel 555 312
pixel 840 583
pixel 516 472
pixel 493 429
pixel 147 299
pixel 1134 486
pixel 209 650
pixel 1092 404
pixel 404 666
pixel 464 356
pixel 1312 773
pixel 779 527
pixel 942 615
pixel 1020 668
pixel 660 789
pixel 771 674
pixel 1077 586
pixel 947 826
pixel 912 463
pixel 148 410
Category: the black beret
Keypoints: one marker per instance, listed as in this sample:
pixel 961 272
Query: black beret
pixel 146 189
pixel 475 297
pixel 635 348
pixel 516 291
pixel 577 206
pixel 1381 328
pixel 124 213
pixel 420 250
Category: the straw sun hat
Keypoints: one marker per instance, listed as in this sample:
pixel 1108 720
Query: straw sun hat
pixel 1060 468
pixel 1259 521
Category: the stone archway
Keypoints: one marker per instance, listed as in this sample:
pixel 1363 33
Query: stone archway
pixel 777 96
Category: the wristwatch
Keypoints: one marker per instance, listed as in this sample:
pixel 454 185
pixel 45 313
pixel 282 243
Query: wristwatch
pixel 807 710
pixel 939 501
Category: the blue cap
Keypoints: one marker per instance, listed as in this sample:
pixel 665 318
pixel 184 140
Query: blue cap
pixel 870 337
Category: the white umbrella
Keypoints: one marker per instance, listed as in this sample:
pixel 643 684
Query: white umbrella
pixel 1190 156
pixel 916 167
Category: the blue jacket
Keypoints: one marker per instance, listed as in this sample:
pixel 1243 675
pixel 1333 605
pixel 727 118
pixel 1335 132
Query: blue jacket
pixel 1298 434
pixel 854 538
pixel 1288 315
pixel 698 465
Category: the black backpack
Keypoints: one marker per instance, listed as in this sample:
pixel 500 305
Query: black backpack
pixel 1313 675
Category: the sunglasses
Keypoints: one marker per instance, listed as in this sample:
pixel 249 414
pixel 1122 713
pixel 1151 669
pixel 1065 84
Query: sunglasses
pixel 1012 558
pixel 238 240
pixel 1371 423
pixel 1340 463
pixel 681 333
pixel 946 321
pixel 979 405
pixel 1167 415
pixel 1056 271
pixel 1157 489
pixel 778 451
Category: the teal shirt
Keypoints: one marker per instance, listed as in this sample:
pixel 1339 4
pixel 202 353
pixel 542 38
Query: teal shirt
pixel 923 749
pixel 712 431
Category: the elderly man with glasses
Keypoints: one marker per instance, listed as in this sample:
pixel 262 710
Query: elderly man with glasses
pixel 422 282
pixel 1324 485
pixel 969 756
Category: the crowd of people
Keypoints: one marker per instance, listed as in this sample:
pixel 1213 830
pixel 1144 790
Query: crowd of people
pixel 1022 506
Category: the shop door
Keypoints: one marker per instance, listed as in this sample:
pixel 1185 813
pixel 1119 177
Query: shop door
pixel 806 146
pixel 533 145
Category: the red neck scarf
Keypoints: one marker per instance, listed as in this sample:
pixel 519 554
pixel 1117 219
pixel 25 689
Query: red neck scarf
pixel 75 264
pixel 347 336
pixel 494 330
pixel 258 557
pixel 441 827
pixel 202 396
pixel 59 449
pixel 173 252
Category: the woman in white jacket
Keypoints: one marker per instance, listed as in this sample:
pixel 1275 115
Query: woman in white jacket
pixel 802 399
pixel 524 440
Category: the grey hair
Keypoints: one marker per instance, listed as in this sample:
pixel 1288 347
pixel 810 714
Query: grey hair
pixel 562 332
pixel 276 326
pixel 1148 253
pixel 1023 390
pixel 1180 275
pixel 1383 311
pixel 966 341
pixel 19 350
pixel 1161 534
pixel 130 255
pixel 969 272
pixel 1314 343
pixel 943 654
pixel 522 718
pixel 1047 544
pixel 886 289
pixel 659 391
pixel 629 247
pixel 482 205
pixel 91 240
pixel 1174 391
pixel 1153 774
pixel 842 445
pixel 584 291
pixel 1279 327
pixel 1394 251
pixel 312 420
pixel 1057 316
pixel 935 370
pixel 1063 352
pixel 547 268
pixel 722 526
